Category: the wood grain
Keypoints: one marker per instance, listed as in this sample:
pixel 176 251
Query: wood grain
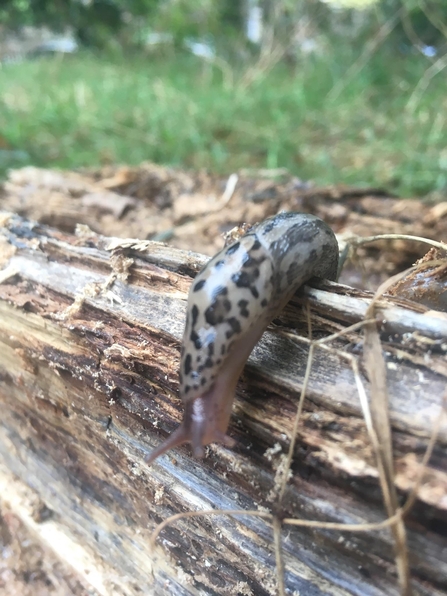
pixel 89 351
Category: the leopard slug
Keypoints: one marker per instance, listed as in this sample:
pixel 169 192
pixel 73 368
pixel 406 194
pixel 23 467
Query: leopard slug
pixel 230 303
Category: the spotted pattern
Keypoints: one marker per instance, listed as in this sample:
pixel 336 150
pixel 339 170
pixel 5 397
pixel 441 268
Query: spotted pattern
pixel 245 285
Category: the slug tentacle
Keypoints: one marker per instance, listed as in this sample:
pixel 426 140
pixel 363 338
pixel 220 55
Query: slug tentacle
pixel 175 439
pixel 230 303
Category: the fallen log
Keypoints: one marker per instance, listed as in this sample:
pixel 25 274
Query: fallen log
pixel 90 332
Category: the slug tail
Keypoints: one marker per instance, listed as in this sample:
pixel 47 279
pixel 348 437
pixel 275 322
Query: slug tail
pixel 178 437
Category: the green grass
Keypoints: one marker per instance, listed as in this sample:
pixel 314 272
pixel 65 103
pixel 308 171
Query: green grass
pixel 87 110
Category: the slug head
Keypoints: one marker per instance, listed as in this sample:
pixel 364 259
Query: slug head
pixel 205 421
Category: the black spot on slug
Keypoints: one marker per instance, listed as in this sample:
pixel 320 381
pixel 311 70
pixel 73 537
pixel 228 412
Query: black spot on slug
pixel 196 340
pixel 202 381
pixel 240 279
pixel 199 285
pixel 187 365
pixel 243 310
pixel 209 363
pixel 194 314
pixel 219 264
pixel 269 227
pixel 244 279
pixel 254 291
pixel 233 248
pixel 235 327
pixel 252 262
pixel 217 311
pixel 187 389
pixel 264 302
pixel 256 245
pixel 211 349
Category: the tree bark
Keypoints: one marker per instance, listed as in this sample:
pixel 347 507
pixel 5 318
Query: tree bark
pixel 90 332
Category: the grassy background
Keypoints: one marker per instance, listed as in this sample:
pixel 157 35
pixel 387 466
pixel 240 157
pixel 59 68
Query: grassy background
pixel 338 118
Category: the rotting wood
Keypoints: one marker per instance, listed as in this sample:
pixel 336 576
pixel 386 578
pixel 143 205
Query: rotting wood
pixel 189 208
pixel 88 385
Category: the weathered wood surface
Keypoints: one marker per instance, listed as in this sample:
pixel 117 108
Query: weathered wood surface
pixel 88 385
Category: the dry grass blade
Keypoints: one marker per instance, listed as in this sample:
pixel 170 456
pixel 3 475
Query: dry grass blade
pixel 206 512
pixel 305 523
pixel 379 407
pixel 358 240
pixel 293 438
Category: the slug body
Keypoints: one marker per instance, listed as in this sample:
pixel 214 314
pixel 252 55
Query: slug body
pixel 230 303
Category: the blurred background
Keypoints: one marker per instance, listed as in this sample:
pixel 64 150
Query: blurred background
pixel 348 92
